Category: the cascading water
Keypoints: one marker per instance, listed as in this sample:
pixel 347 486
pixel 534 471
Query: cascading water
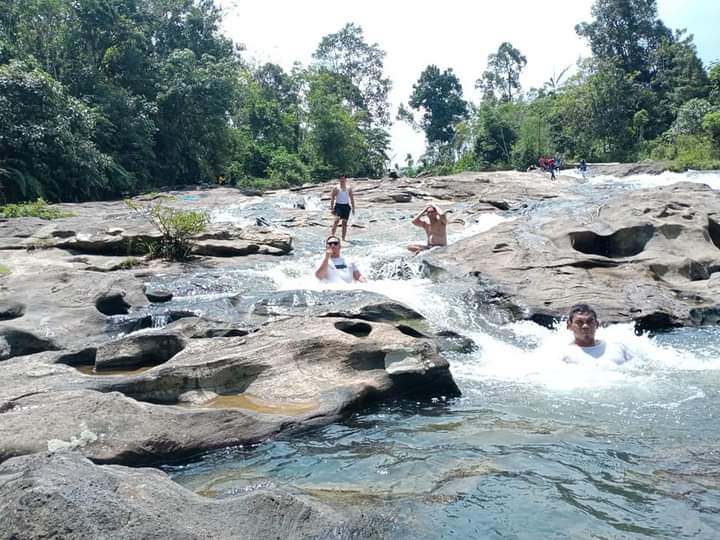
pixel 534 448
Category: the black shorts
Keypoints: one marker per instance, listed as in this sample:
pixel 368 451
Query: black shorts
pixel 342 211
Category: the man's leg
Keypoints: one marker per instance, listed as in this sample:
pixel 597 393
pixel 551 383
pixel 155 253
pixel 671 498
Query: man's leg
pixel 344 228
pixel 334 226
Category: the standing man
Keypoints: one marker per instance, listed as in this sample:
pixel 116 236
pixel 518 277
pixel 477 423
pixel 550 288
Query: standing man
pixel 342 203
pixel 583 323
pixel 434 222
pixel 334 268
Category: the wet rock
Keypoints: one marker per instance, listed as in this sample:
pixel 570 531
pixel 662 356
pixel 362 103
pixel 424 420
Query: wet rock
pixel 112 303
pixel 68 496
pixel 158 295
pixel 10 309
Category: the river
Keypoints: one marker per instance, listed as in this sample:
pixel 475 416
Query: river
pixel 534 448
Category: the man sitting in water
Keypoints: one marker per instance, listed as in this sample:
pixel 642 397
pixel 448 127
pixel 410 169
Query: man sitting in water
pixel 434 222
pixel 583 322
pixel 334 268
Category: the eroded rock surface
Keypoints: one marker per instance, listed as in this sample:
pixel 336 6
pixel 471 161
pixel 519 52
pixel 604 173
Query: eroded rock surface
pixel 651 256
pixel 67 496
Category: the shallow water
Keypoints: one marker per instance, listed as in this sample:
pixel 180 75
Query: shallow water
pixel 534 448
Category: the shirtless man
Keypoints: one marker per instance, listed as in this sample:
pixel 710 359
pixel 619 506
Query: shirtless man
pixel 342 202
pixel 334 268
pixel 434 221
pixel 583 323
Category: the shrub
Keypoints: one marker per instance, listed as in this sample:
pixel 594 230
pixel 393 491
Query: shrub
pixel 288 167
pixel 38 208
pixel 177 228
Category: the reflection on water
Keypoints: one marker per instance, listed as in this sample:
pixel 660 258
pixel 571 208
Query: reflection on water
pixel 534 448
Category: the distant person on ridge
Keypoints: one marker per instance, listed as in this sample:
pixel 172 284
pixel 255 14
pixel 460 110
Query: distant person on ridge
pixel 334 268
pixel 342 202
pixel 434 221
pixel 583 168
pixel 551 168
pixel 583 323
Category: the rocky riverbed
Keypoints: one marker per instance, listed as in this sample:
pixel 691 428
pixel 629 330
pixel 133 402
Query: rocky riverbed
pixel 102 371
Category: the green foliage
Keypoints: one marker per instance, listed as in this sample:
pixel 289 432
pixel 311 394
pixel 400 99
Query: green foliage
pixel 346 53
pixel 5 270
pixel 439 96
pixel 130 262
pixel 39 208
pixel 287 167
pixel 46 146
pixel 711 124
pixel 502 76
pixel 177 229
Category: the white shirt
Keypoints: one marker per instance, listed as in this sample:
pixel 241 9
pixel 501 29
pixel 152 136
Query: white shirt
pixel 342 197
pixel 339 271
pixel 602 350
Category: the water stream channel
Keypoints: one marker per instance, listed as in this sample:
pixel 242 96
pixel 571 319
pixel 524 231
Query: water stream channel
pixel 533 448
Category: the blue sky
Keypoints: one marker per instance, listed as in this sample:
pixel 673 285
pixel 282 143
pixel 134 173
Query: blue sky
pixel 701 18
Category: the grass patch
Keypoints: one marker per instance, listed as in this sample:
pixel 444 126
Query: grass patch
pixel 130 262
pixel 39 209
pixel 4 270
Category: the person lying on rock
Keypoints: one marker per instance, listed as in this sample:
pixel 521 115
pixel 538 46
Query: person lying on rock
pixel 334 268
pixel 434 221
pixel 583 323
pixel 342 202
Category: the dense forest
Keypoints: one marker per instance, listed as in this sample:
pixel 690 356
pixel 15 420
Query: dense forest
pixel 104 98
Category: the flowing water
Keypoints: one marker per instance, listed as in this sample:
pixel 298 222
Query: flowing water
pixel 534 448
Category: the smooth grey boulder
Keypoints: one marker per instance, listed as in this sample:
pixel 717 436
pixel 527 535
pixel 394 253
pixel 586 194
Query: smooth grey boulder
pixel 64 495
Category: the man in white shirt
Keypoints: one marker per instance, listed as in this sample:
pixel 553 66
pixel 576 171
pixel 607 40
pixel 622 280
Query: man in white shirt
pixel 583 323
pixel 334 268
pixel 342 202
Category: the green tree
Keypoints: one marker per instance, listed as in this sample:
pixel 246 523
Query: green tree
pixel 46 147
pixel 625 32
pixel 502 76
pixel 335 144
pixel 439 96
pixel 347 53
pixel 711 124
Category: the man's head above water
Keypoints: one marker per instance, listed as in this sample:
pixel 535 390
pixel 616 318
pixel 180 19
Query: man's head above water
pixel 583 323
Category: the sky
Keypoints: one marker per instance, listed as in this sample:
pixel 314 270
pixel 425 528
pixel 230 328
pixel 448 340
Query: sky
pixel 457 34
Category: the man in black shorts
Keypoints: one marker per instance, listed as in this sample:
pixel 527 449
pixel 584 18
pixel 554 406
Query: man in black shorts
pixel 342 203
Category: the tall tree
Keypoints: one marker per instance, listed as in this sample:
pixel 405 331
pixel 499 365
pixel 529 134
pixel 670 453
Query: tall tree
pixel 439 96
pixel 625 32
pixel 347 53
pixel 502 76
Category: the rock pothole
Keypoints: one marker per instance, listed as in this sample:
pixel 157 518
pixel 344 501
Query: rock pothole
pixel 112 303
pixel 16 342
pixel 138 351
pixel 625 242
pixel 714 232
pixel 354 328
